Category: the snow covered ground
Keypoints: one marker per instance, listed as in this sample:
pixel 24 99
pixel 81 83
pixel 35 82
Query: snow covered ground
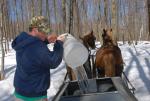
pixel 137 68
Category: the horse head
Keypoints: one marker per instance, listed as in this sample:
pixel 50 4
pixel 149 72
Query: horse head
pixel 107 37
pixel 89 40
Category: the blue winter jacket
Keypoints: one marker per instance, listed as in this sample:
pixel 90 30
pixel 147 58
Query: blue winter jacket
pixel 34 61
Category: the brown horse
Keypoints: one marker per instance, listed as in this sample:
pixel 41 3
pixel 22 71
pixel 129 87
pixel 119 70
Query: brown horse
pixel 108 60
pixel 89 42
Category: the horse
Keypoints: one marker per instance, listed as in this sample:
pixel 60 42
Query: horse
pixel 88 41
pixel 108 62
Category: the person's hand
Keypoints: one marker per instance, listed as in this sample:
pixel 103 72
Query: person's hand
pixel 52 38
pixel 61 37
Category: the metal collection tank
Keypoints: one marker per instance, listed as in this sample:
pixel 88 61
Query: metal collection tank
pixel 103 89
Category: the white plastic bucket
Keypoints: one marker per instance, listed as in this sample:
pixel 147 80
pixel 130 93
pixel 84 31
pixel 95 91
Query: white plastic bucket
pixel 75 53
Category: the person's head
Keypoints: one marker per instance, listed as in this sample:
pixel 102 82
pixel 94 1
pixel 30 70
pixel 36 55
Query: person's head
pixel 39 27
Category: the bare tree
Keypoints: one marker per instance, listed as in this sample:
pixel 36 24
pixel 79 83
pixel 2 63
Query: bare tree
pixel 113 24
pixel 2 55
pixel 1 43
pixel 77 16
pixel 40 7
pixel 48 12
pixel 105 13
pixel 56 15
pixel 17 17
pixel 64 14
pixel 148 3
pixel 69 16
pixel 76 19
pixel 32 8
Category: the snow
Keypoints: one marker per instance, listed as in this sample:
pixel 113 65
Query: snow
pixel 137 68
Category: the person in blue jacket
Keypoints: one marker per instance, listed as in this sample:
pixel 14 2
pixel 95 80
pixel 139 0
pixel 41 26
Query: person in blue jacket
pixel 34 60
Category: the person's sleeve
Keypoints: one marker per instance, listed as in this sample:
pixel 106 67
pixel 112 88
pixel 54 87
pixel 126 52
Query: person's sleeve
pixel 52 59
pixel 46 41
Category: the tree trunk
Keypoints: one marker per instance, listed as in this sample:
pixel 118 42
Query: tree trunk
pixel 1 44
pixel 114 25
pixel 48 12
pixel 56 16
pixel 148 2
pixel 5 28
pixel 32 9
pixel 64 14
pixel 17 16
pixel 76 19
pixel 69 16
pixel 40 7
pixel 22 16
pixel 2 76
pixel 105 13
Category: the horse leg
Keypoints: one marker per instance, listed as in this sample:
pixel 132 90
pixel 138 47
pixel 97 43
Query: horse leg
pixel 87 67
pixel 101 72
pixel 94 71
pixel 119 70
pixel 71 74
